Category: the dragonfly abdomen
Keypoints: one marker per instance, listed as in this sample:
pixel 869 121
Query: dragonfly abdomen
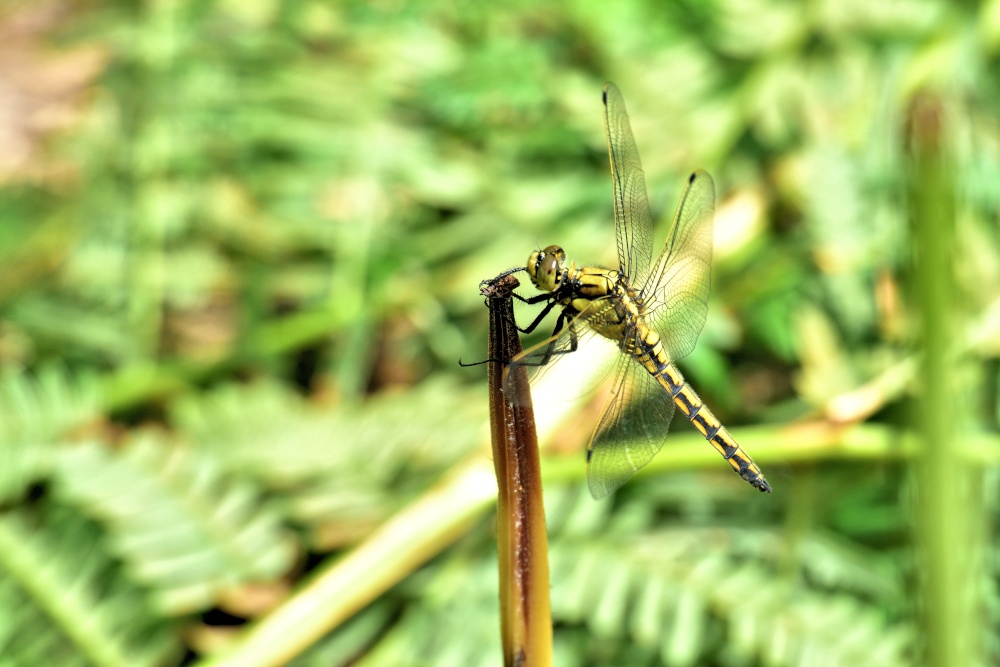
pixel 691 405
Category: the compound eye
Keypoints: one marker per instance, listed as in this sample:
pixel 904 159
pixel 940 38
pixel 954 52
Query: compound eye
pixel 550 264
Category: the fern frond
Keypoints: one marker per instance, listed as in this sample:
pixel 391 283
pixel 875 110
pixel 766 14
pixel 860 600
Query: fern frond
pixel 73 604
pixel 183 528
pixel 253 427
pixel 37 412
pixel 674 590
pixel 342 470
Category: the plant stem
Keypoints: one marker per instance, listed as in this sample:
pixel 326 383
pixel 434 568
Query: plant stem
pixel 945 505
pixel 522 543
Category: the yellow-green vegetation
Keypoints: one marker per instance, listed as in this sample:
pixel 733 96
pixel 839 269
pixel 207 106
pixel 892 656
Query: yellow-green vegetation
pixel 240 250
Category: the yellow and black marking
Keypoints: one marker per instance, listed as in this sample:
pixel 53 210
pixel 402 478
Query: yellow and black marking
pixel 702 418
pixel 615 310
pixel 634 305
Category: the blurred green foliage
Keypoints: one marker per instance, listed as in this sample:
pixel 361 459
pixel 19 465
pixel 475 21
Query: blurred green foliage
pixel 241 244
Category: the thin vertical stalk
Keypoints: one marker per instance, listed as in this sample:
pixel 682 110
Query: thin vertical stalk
pixel 945 500
pixel 522 544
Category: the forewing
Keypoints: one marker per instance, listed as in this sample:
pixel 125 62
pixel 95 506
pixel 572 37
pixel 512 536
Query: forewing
pixel 631 430
pixel 633 222
pixel 676 292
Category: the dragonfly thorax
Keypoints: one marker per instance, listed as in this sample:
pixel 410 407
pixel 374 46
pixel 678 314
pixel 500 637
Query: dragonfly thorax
pixel 547 268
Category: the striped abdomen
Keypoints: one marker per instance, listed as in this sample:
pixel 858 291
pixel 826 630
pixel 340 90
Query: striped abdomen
pixel 691 406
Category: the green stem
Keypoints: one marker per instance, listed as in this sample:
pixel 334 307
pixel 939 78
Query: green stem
pixel 945 504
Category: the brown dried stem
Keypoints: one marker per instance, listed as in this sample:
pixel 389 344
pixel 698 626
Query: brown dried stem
pixel 525 622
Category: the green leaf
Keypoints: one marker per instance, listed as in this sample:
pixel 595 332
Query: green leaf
pixel 74 606
pixel 182 527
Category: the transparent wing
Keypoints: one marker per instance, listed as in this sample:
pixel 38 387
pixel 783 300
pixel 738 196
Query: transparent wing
pixel 572 363
pixel 631 431
pixel 676 292
pixel 633 222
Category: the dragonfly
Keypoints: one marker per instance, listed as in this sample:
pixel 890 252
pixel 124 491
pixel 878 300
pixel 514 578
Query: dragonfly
pixel 652 311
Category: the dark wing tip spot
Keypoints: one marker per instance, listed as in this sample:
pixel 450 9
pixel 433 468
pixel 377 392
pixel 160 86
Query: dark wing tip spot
pixel 691 177
pixel 590 452
pixel 604 96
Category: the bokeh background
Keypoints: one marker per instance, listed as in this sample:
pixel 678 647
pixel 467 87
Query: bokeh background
pixel 240 248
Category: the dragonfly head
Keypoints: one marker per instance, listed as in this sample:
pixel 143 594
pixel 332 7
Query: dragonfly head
pixel 547 268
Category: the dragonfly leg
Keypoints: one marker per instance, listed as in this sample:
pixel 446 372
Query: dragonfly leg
pixel 550 349
pixel 538 298
pixel 545 311
pixel 479 363
pixel 488 282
